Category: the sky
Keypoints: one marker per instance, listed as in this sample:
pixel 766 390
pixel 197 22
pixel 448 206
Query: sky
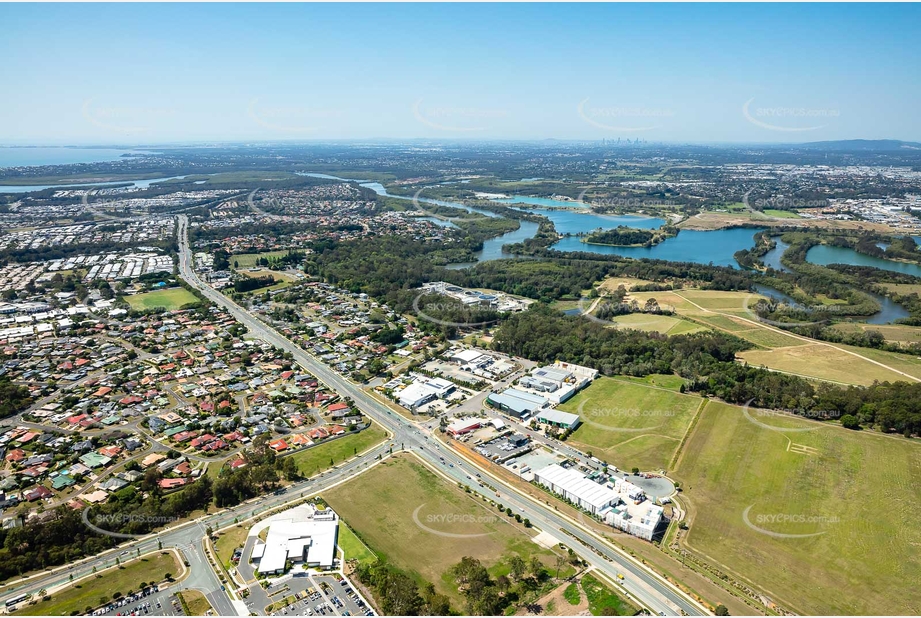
pixel 750 73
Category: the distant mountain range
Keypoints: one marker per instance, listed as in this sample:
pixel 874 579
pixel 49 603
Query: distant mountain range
pixel 862 145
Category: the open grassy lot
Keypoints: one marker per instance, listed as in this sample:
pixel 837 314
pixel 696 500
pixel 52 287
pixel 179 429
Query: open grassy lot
pixel 228 541
pixel 769 338
pixel 851 492
pixel 196 602
pixel 602 601
pixel 826 363
pixel 668 381
pixel 91 592
pixel 173 298
pixel 892 332
pixel 781 214
pixel 631 425
pixel 904 288
pixel 316 458
pixel 612 283
pixel 400 507
pixel 248 260
pixel 658 323
pixel 352 547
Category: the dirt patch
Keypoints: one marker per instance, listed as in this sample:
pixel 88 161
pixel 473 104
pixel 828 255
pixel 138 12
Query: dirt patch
pixel 555 604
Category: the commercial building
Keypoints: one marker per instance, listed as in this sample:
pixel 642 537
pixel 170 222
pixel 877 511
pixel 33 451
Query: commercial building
pixel 307 536
pixel 576 488
pixel 423 390
pixel 556 418
pixel 517 403
pixel 464 425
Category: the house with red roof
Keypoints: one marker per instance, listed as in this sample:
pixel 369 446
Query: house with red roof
pixel 278 445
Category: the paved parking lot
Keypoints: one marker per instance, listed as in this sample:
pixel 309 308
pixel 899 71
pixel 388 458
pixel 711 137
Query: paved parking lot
pixel 161 603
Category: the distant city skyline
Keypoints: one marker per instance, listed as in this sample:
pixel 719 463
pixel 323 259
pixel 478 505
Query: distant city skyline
pixel 663 73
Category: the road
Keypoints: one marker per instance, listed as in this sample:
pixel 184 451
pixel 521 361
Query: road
pixel 649 588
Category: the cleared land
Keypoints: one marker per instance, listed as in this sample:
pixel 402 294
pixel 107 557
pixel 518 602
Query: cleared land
pixel 602 601
pixel 781 214
pixel 850 492
pixel 631 425
pixel 825 363
pixel 249 260
pixel 197 603
pixel 173 298
pixel 892 332
pixel 399 508
pixel 316 458
pixel 658 323
pixel 93 592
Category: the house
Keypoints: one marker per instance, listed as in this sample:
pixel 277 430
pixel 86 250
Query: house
pixel 38 492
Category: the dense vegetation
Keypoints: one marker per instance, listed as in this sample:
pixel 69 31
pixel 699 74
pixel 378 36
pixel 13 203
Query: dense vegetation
pixel 13 398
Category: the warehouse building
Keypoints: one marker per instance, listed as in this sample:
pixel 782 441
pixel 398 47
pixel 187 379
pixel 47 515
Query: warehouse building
pixel 308 536
pixel 576 488
pixel 517 403
pixel 556 418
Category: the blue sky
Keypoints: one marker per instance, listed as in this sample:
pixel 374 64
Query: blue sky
pixel 154 73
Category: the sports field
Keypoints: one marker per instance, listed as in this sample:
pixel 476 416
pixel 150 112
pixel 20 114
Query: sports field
pixel 170 299
pixel 631 425
pixel 423 524
pixel 820 520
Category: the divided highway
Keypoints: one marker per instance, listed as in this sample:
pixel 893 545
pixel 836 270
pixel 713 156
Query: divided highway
pixel 649 588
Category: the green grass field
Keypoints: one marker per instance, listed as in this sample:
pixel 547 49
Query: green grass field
pixel 248 260
pixel 658 323
pixel 173 298
pixel 196 602
pixel 353 548
pixel 892 332
pixel 316 458
pixel 853 492
pixel 602 601
pixel 228 541
pixel 399 508
pixel 631 425
pixel 781 214
pixel 90 592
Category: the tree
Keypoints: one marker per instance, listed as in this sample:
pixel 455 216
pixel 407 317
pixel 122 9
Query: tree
pixel 849 421
pixel 721 610
pixel 517 567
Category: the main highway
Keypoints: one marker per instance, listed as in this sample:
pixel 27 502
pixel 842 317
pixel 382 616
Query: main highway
pixel 652 590
pixel 649 588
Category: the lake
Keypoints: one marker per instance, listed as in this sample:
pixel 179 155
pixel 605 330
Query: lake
pixel 826 254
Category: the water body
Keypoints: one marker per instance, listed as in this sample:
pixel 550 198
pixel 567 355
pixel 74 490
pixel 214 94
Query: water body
pixel 492 248
pixel 772 257
pixel 577 222
pixel 824 255
pixel 140 184
pixel 23 157
pixel 711 247
pixel 540 201
pixel 889 311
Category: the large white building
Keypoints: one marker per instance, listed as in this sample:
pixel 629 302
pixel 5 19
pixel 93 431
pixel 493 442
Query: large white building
pixel 307 536
pixel 576 488
pixel 423 390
